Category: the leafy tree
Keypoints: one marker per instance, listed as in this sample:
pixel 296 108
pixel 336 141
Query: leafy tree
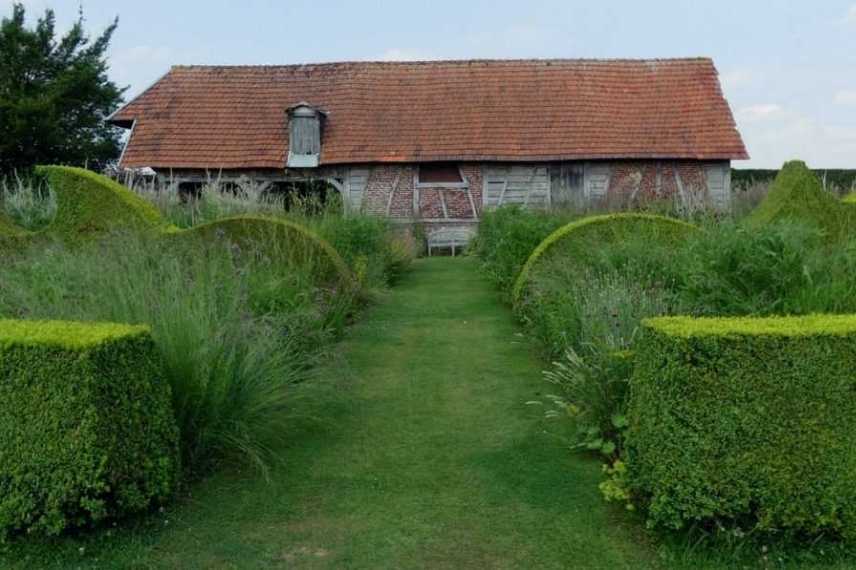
pixel 55 95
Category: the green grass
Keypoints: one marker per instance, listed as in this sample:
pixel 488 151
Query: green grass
pixel 420 453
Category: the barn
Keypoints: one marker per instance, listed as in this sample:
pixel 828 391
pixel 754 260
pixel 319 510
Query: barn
pixel 438 142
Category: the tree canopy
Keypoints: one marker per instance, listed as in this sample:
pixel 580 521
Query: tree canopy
pixel 55 94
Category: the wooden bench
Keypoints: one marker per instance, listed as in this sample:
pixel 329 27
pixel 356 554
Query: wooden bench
pixel 451 238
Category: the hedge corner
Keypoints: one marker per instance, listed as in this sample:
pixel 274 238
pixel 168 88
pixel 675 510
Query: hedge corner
pixel 87 431
pixel 746 422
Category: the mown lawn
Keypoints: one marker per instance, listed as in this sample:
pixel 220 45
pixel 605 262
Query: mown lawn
pixel 417 451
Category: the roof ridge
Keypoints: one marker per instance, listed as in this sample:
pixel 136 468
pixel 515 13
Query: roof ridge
pixel 546 61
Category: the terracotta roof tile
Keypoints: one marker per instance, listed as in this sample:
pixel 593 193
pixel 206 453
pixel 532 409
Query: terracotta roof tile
pixel 516 110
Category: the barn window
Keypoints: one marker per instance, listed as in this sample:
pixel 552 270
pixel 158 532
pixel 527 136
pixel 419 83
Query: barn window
pixel 441 174
pixel 304 135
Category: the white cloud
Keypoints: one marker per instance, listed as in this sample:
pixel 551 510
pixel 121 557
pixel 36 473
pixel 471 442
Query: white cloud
pixel 774 134
pixel 407 54
pixel 761 112
pixel 735 79
pixel 846 97
pixel 850 18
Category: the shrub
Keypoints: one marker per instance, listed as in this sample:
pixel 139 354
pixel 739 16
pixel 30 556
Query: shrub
pixel 86 427
pixel 578 241
pixel 233 338
pixel 571 307
pixel 282 241
pixel 89 204
pixel 797 195
pixel 850 198
pixel 781 268
pixel 745 422
pixel 733 270
pixel 506 238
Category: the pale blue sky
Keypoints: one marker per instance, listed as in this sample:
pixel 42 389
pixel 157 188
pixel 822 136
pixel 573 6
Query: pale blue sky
pixel 788 68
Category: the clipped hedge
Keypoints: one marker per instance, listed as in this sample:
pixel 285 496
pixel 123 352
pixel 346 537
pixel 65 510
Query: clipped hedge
pixel 747 422
pixel 797 194
pixel 283 241
pixel 89 204
pixel 87 431
pixel 577 240
pixel 12 237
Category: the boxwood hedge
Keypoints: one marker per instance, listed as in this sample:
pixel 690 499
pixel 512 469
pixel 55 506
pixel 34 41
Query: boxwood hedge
pixel 283 241
pixel 578 239
pixel 89 204
pixel 87 431
pixel 797 194
pixel 747 422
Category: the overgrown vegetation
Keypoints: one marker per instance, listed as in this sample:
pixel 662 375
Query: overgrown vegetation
pixel 239 316
pixel 584 303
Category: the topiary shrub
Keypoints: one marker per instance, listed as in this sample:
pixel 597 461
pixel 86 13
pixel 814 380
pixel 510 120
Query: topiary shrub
pixel 12 237
pixel 87 431
pixel 282 241
pixel 89 204
pixel 745 422
pixel 578 240
pixel 797 194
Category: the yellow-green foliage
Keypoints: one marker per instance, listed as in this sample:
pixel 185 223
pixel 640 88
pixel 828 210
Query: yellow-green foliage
pixel 578 239
pixel 282 240
pixel 797 194
pixel 90 204
pixel 745 421
pixel 87 430
pixel 850 198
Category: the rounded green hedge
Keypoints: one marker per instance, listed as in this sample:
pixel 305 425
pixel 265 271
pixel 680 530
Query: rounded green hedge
pixel 745 422
pixel 797 194
pixel 87 431
pixel 577 239
pixel 90 204
pixel 283 241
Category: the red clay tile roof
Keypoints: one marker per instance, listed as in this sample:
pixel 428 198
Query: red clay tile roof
pixel 523 110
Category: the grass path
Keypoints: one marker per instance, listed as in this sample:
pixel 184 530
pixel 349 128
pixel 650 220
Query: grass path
pixel 425 457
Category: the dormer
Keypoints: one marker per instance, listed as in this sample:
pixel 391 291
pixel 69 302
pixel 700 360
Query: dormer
pixel 305 124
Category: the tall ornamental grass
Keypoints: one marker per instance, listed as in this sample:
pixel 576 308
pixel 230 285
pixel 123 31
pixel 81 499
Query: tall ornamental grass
pixel 28 203
pixel 231 355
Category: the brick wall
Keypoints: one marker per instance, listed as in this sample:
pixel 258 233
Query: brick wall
pixel 390 192
pixel 637 182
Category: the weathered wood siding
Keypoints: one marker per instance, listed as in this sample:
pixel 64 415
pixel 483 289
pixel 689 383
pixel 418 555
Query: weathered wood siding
pixel 719 185
pixel 527 185
pixel 357 179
